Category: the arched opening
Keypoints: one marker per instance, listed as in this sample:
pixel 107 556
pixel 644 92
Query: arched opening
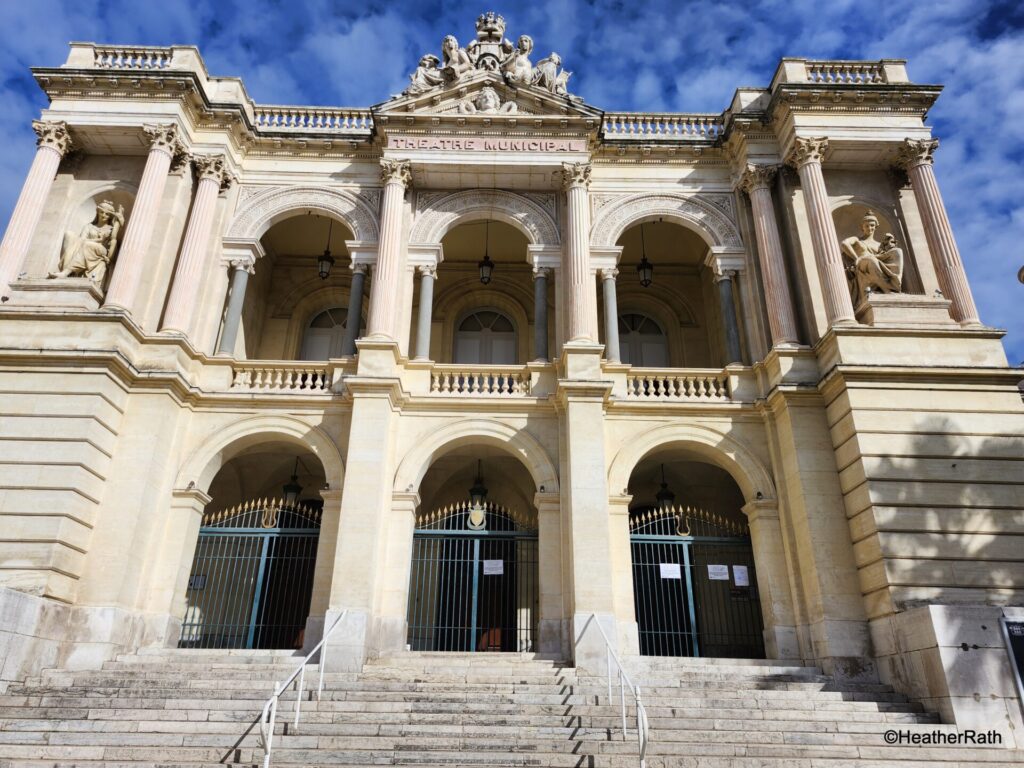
pixel 694 582
pixel 474 583
pixel 486 337
pixel 287 294
pixel 672 320
pixel 251 578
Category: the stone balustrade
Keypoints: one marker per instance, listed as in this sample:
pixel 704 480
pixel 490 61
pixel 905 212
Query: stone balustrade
pixel 280 377
pixel 132 57
pixel 668 126
pixel 856 72
pixel 313 119
pixel 480 380
pixel 666 385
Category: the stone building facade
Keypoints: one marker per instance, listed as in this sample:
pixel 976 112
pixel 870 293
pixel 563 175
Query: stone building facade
pixel 754 325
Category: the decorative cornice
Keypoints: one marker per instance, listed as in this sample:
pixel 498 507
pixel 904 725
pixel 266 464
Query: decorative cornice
pixel 806 151
pixel 213 167
pixel 576 175
pixel 757 177
pixel 915 152
pixel 53 135
pixel 395 171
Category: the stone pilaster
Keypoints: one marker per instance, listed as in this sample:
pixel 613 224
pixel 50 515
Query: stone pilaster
pixel 52 144
pixel 807 156
pixel 387 280
pixel 756 181
pixel 131 261
pixel 916 157
pixel 581 296
pixel 553 625
pixel 214 176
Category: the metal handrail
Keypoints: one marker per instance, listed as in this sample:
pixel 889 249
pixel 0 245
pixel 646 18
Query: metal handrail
pixel 643 731
pixel 268 717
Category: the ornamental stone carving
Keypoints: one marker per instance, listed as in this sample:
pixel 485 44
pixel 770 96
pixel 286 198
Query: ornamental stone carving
pixel 872 265
pixel 213 167
pixel 808 151
pixel 757 177
pixel 550 76
pixel 486 102
pixel 426 77
pixel 52 134
pixel 90 252
pixel 395 171
pixel 575 175
pixel 915 152
pixel 435 218
pixel 164 137
pixel 708 220
pixel 271 204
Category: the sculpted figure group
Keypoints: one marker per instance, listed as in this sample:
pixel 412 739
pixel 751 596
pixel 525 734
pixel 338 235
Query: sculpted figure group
pixel 490 52
pixel 89 252
pixel 872 265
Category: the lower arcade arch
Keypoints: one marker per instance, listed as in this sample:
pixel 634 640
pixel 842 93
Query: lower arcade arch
pixel 474 578
pixel 252 573
pixel 694 575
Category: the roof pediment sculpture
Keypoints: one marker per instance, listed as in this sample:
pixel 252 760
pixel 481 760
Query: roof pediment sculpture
pixel 489 52
pixel 486 102
pixel 872 265
pixel 90 252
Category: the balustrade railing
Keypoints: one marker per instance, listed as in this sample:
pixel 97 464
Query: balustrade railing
pixel 855 72
pixel 132 57
pixel 301 378
pixel 479 380
pixel 649 125
pixel 664 385
pixel 313 119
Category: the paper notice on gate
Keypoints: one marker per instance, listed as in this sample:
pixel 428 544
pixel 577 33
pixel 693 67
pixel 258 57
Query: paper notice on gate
pixel 740 576
pixel 670 571
pixel 718 572
pixel 494 567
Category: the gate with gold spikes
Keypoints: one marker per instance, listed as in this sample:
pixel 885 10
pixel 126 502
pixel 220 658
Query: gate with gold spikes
pixel 474 580
pixel 694 584
pixel 252 576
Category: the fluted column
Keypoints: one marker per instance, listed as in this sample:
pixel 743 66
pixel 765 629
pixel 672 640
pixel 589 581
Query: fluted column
pixel 756 182
pixel 213 177
pixel 241 269
pixel 582 298
pixel 427 276
pixel 131 260
pixel 51 145
pixel 807 156
pixel 916 157
pixel 387 278
pixel 540 313
pixel 355 310
pixel 611 315
pixel 727 308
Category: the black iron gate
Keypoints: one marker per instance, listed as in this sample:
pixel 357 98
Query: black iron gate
pixel 252 577
pixel 694 585
pixel 473 585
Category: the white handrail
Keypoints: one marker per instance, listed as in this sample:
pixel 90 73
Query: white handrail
pixel 268 717
pixel 643 731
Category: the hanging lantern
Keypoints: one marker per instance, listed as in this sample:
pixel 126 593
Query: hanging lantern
pixel 486 266
pixel 644 270
pixel 664 496
pixel 292 489
pixel 478 493
pixel 326 261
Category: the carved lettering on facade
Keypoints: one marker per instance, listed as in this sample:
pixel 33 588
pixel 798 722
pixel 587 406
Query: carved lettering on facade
pixel 485 144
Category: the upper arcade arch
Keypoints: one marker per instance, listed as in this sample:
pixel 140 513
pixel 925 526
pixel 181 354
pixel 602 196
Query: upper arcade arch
pixel 260 212
pixel 439 215
pixel 692 212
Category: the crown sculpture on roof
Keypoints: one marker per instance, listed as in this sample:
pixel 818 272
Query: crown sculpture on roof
pixel 490 52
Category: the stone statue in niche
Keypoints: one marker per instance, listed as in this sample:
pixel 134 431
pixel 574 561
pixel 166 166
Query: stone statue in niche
pixel 486 102
pixel 456 61
pixel 872 265
pixel 427 76
pixel 547 75
pixel 517 66
pixel 90 252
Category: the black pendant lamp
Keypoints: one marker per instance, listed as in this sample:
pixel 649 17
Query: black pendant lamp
pixel 326 261
pixel 485 265
pixel 664 496
pixel 644 270
pixel 478 493
pixel 292 489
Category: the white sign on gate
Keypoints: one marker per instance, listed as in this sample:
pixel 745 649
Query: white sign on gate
pixel 494 567
pixel 671 571
pixel 741 576
pixel 718 572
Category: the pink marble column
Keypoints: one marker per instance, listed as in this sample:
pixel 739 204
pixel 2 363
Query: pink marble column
pixel 386 287
pixel 916 157
pixel 807 156
pixel 582 291
pixel 53 142
pixel 213 177
pixel 131 261
pixel 756 181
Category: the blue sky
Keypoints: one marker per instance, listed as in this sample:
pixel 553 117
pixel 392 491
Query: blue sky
pixel 682 55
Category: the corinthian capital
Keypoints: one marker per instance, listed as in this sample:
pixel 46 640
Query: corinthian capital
pixel 244 264
pixel 395 170
pixel 52 134
pixel 213 167
pixel 575 175
pixel 757 177
pixel 164 137
pixel 808 151
pixel 916 152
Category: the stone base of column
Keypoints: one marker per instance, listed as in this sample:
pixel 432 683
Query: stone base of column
pixel 348 647
pixel 590 651
pixel 378 356
pixel 554 638
pixel 582 360
pixel 904 310
pixel 59 292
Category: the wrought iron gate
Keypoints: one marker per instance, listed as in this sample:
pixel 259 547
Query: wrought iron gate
pixel 473 585
pixel 252 577
pixel 694 585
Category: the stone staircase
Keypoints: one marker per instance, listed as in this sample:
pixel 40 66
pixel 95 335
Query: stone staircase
pixel 199 708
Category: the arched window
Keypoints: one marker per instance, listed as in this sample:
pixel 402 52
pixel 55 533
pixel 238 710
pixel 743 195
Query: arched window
pixel 486 337
pixel 323 337
pixel 642 341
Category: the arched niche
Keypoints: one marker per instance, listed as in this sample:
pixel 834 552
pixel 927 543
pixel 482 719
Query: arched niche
pixel 265 208
pixel 712 224
pixel 437 215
